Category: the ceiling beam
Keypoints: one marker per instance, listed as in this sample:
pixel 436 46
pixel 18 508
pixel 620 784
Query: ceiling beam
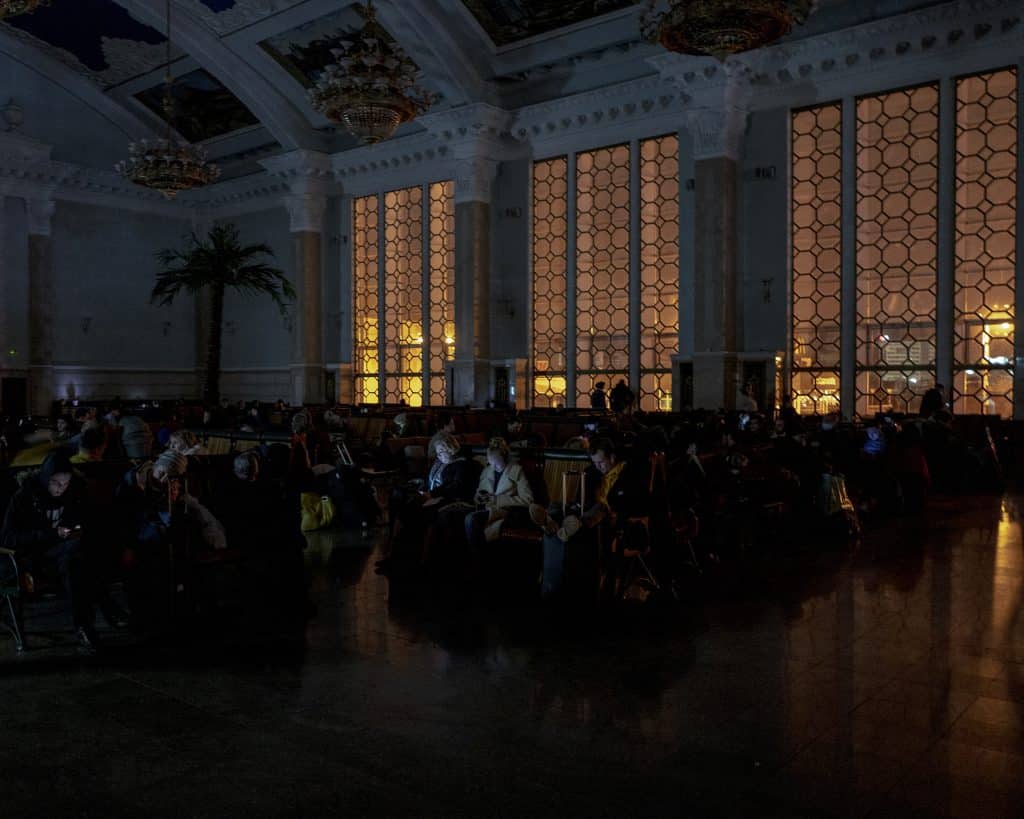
pixel 277 113
pixel 457 68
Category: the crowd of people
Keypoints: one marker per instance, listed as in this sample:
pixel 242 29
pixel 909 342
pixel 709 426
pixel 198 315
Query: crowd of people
pixel 112 494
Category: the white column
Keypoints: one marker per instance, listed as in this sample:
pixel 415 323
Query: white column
pixel 306 208
pixel 346 370
pixel 717 136
pixel 848 287
pixel 309 177
pixel 474 179
pixel 42 304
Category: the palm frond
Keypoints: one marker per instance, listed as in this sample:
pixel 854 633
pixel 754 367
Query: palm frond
pixel 219 260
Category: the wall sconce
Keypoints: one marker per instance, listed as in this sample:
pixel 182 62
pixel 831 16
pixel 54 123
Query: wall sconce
pixel 166 328
pixel 766 291
pixel 86 324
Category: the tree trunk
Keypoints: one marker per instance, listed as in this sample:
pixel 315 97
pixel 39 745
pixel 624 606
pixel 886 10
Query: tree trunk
pixel 211 378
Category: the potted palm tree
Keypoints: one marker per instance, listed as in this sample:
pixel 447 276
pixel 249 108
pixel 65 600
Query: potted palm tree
pixel 220 263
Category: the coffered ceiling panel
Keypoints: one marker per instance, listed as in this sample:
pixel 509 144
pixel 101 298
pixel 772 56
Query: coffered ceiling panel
pixel 305 50
pixel 204 108
pixel 97 38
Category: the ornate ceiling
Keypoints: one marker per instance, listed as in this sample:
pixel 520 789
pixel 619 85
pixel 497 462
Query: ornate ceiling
pixel 243 67
pixel 97 38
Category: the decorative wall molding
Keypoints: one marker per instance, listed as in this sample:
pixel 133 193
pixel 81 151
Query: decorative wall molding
pixel 919 46
pixel 871 50
pixel 651 102
pixel 392 164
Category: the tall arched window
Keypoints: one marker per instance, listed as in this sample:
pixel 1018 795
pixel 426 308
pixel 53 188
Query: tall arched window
pixel 404 282
pixel 934 228
pixel 606 272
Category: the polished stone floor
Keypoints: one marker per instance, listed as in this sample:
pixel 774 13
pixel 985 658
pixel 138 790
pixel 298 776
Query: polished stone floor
pixel 888 683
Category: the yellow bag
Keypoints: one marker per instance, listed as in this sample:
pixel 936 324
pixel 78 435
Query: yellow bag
pixel 317 511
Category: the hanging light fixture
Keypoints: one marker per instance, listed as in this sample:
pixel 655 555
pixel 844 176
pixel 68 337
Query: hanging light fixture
pixel 372 88
pixel 168 165
pixel 11 8
pixel 722 28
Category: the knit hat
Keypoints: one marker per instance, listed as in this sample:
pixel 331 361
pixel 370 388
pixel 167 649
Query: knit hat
pixel 173 464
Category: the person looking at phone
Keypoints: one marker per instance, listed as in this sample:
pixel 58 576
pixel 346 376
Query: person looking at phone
pixel 43 526
pixel 503 487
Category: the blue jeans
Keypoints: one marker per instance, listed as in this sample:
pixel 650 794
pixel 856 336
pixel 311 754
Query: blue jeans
pixel 475 524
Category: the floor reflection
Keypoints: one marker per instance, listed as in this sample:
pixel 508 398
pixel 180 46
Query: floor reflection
pixel 886 682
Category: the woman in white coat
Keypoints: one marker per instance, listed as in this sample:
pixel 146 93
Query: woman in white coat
pixel 503 487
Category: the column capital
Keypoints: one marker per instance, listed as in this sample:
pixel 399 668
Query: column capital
pixel 306 211
pixel 310 179
pixel 479 140
pixel 474 178
pixel 40 216
pixel 717 132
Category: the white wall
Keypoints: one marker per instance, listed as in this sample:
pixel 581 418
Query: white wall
pixel 257 347
pixel 104 268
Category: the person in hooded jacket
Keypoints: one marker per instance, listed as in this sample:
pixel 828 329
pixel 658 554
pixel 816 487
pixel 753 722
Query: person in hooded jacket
pixel 44 526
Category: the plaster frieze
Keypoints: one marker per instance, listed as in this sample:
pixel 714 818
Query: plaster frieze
pixel 878 47
pixel 637 101
pixel 368 162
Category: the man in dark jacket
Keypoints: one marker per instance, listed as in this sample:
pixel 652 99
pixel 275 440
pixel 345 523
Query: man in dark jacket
pixel 43 525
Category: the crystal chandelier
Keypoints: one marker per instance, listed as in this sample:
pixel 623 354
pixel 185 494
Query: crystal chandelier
pixel 167 165
pixel 371 89
pixel 721 28
pixel 10 8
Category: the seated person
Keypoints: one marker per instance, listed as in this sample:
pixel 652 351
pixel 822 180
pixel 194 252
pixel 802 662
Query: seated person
pixel 64 430
pixel 621 493
pixel 43 525
pixel 157 509
pixel 503 488
pixel 453 479
pixel 136 437
pixel 261 523
pixel 92 444
pixel 445 426
pixel 184 441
